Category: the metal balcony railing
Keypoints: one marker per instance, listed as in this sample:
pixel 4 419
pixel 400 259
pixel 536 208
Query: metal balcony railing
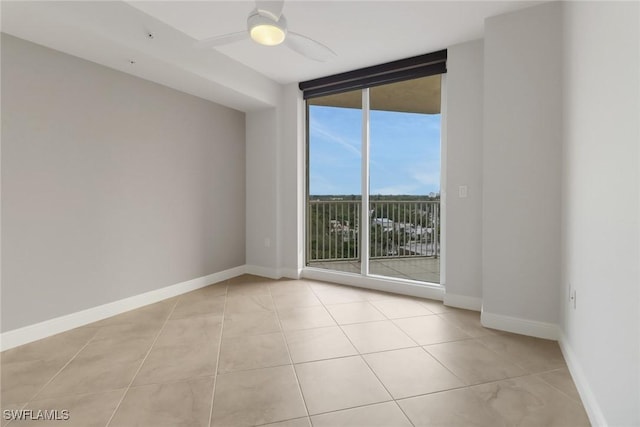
pixel 399 229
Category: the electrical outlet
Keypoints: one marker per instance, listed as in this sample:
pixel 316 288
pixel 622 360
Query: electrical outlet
pixel 573 298
pixel 267 242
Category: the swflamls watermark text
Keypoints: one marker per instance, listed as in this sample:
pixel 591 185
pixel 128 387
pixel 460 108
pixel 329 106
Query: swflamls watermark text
pixel 36 414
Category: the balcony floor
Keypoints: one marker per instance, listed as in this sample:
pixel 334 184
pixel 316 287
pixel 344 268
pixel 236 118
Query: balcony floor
pixel 425 269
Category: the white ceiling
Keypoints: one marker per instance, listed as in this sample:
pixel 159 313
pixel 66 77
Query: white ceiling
pixel 244 75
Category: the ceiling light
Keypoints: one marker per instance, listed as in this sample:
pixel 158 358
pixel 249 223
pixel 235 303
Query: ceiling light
pixel 266 31
pixel 268 35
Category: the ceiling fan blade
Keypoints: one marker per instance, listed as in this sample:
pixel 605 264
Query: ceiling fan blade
pixel 222 40
pixel 270 8
pixel 308 47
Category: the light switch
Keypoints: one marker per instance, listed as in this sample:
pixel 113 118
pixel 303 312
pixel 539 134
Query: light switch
pixel 462 191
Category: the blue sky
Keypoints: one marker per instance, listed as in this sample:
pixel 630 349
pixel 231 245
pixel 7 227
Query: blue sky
pixel 405 152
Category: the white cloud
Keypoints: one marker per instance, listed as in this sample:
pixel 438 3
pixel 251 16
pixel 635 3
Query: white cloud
pixel 426 177
pixel 351 147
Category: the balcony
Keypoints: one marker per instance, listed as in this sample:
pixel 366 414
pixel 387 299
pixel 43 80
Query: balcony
pixel 404 237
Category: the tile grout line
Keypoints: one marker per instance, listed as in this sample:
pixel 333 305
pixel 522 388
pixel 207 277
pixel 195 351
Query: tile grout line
pixel 365 361
pixel 142 363
pixel 537 375
pixel 526 373
pixel 346 336
pixel 387 318
pixel 286 343
pixel 454 324
pixel 376 375
pixel 215 373
pixel 477 339
pixel 283 421
pixel 417 346
pixel 329 358
pixel 55 375
pixel 445 367
pixel 385 387
pixel 464 386
pixel 470 338
pixel 469 387
pixel 392 400
pixel 89 341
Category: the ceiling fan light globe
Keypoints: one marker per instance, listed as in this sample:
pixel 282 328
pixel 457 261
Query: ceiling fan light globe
pixel 266 30
pixel 267 34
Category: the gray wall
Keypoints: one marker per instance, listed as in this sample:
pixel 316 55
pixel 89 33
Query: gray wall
pixel 292 168
pixel 521 163
pixel 463 258
pixel 111 185
pixel 263 194
pixel 275 181
pixel 601 205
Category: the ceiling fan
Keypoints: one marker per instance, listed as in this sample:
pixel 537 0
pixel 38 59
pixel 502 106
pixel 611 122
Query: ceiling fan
pixel 267 26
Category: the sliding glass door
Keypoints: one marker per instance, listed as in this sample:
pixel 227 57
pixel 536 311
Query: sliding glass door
pixel 404 179
pixel 373 181
pixel 334 182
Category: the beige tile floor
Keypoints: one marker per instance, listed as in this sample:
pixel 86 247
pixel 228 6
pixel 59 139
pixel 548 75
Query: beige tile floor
pixel 252 351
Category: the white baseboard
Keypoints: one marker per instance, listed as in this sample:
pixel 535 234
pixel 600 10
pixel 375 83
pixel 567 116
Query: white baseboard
pixel 403 287
pixel 521 326
pixel 60 324
pixel 291 273
pixel 273 273
pixel 463 301
pixel 596 417
pixel 270 273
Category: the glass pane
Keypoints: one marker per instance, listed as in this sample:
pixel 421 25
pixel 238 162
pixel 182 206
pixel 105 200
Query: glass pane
pixel 404 180
pixel 334 182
